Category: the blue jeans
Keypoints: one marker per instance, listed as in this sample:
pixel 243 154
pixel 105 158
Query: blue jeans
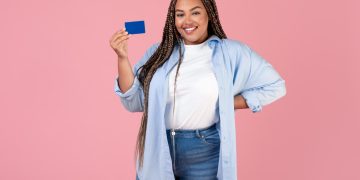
pixel 194 153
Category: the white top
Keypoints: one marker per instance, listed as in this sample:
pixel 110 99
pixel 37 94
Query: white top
pixel 196 91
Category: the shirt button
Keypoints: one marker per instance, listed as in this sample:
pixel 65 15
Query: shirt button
pixel 226 161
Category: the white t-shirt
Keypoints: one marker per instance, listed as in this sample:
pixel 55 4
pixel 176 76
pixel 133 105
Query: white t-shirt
pixel 196 91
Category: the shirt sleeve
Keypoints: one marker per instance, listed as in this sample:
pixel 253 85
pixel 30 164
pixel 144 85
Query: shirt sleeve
pixel 261 84
pixel 133 98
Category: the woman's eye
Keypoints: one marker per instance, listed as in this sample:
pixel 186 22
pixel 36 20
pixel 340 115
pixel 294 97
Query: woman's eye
pixel 181 15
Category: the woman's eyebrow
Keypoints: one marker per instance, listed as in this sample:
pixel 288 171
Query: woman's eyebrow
pixel 190 9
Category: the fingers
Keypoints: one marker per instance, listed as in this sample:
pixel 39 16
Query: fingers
pixel 121 40
pixel 118 33
pixel 119 37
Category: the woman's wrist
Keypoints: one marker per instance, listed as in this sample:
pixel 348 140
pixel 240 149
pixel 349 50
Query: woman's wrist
pixel 120 58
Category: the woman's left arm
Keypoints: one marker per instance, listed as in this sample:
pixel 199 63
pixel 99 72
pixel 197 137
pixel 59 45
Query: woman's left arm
pixel 262 84
pixel 240 102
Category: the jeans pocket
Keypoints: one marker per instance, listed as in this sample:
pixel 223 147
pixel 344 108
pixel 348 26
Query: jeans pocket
pixel 212 138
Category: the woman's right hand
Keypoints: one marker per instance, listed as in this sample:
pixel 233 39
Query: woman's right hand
pixel 119 43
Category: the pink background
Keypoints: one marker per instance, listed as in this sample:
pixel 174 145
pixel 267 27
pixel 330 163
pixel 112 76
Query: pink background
pixel 61 120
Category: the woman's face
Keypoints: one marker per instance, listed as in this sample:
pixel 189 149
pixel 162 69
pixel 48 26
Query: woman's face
pixel 191 21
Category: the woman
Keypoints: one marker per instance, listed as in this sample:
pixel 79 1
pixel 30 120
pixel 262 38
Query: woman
pixel 188 86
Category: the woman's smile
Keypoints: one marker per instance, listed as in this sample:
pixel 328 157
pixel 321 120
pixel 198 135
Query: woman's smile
pixel 190 30
pixel 191 21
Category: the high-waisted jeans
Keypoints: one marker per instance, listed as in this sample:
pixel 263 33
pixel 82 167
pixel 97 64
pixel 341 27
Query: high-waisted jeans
pixel 194 153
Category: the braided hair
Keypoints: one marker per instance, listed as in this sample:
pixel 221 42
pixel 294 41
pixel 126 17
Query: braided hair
pixel 170 38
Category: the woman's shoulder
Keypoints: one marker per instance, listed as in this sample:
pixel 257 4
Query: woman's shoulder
pixel 151 50
pixel 153 47
pixel 148 53
pixel 236 45
pixel 236 48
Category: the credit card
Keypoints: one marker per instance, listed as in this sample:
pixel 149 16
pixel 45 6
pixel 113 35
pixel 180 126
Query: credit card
pixel 135 27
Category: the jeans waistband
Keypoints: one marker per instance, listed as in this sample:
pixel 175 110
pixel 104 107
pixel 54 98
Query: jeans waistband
pixel 189 133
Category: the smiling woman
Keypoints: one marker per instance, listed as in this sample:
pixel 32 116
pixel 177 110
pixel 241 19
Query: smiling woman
pixel 188 86
pixel 191 21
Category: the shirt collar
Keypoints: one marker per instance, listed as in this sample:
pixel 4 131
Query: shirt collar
pixel 214 38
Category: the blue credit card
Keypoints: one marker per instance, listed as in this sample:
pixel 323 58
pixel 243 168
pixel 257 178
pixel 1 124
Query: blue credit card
pixel 135 27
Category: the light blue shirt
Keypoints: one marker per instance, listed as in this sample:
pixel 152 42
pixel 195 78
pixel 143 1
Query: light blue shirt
pixel 238 70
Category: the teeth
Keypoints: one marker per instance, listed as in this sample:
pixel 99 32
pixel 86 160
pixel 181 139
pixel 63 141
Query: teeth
pixel 190 29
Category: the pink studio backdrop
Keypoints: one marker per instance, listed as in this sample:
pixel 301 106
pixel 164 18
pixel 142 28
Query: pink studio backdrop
pixel 61 120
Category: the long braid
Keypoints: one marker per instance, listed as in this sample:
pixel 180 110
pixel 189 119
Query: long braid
pixel 170 38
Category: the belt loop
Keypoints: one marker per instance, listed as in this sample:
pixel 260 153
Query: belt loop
pixel 197 133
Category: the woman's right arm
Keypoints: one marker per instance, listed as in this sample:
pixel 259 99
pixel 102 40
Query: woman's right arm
pixel 132 97
pixel 127 86
pixel 125 74
pixel 118 42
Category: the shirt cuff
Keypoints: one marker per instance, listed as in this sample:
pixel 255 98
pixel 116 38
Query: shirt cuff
pixel 130 91
pixel 252 101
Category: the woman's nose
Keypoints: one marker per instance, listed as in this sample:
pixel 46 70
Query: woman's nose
pixel 188 20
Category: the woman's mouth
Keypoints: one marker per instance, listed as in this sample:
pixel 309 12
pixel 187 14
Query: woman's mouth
pixel 190 30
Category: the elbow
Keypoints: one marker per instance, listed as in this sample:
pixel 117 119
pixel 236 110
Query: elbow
pixel 280 91
pixel 133 109
pixel 283 90
pixel 132 106
pixel 273 93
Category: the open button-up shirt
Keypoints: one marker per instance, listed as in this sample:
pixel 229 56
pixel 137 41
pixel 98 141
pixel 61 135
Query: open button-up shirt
pixel 238 69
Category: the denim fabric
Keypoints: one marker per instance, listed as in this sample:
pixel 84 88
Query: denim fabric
pixel 196 153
